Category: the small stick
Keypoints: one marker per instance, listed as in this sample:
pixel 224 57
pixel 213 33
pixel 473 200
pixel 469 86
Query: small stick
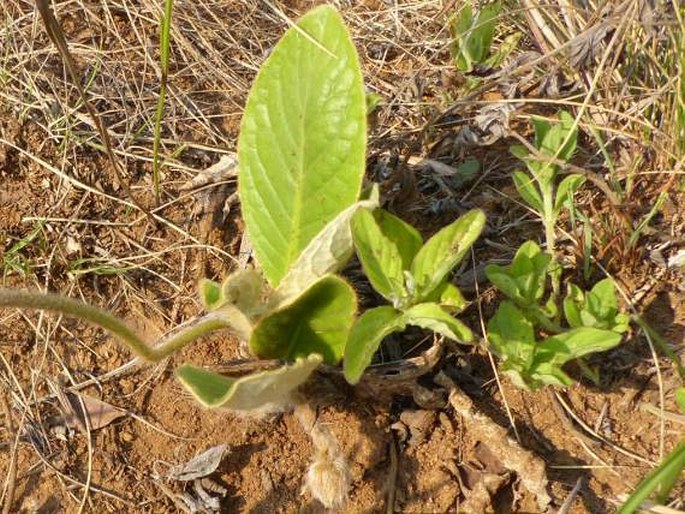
pixel 529 467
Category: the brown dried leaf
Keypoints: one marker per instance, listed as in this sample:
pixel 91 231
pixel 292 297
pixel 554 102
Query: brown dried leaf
pixel 100 414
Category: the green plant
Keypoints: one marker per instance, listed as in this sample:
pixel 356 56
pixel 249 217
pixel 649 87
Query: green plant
pixel 164 42
pixel 412 276
pixel 473 35
pixel 526 331
pixel 555 143
pixel 302 157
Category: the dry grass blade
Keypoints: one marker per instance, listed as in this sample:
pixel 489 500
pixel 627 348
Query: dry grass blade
pixel 10 482
pixel 57 36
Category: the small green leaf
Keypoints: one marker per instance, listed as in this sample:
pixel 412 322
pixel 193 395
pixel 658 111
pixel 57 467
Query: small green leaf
pixel 565 191
pixel 502 280
pixel 484 29
pixel 449 297
pixel 444 251
pixel 406 238
pixel 473 36
pixel 542 128
pixel 433 317
pixel 680 398
pixel 602 301
pixel 519 151
pixel 512 336
pixel 250 392
pixel 528 191
pixel 365 338
pixel 302 140
pixel 573 302
pixel 529 269
pixel 210 294
pixel 243 288
pixel 379 256
pixel 524 279
pixel 575 343
pixel 318 321
pixel 373 100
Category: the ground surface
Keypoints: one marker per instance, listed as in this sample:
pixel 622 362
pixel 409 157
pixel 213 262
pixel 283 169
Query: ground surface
pixel 64 226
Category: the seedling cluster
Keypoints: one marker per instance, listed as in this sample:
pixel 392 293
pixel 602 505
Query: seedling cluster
pixel 302 151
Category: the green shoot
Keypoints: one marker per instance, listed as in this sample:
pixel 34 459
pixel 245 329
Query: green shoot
pixel 164 43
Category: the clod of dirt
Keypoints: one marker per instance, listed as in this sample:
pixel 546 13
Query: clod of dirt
pixel 419 423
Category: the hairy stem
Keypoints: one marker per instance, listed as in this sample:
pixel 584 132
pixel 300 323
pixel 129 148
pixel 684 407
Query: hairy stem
pixel 103 319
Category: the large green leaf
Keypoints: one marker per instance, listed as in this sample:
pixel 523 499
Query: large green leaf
pixel 302 140
pixel 444 251
pixel 379 256
pixel 318 321
pixel 365 338
pixel 255 391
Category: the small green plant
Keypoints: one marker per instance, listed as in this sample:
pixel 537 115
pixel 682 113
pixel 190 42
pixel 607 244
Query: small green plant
pixel 412 276
pixel 164 43
pixel 554 143
pixel 593 321
pixel 473 35
pixel 302 158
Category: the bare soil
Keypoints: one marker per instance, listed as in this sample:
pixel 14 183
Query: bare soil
pixel 65 227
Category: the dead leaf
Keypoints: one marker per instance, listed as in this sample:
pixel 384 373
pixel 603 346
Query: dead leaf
pixel 200 466
pixel 77 406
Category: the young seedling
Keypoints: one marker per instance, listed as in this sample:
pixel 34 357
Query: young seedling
pixel 473 35
pixel 593 319
pixel 302 158
pixel 553 142
pixel 412 276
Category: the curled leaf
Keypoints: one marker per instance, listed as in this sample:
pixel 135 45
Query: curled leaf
pixel 251 392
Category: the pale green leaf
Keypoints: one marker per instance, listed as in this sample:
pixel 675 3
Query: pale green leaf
pixel 251 392
pixel 243 288
pixel 302 140
pixel 365 338
pixel 433 317
pixel 449 297
pixel 327 253
pixel 406 238
pixel 526 187
pixel 318 321
pixel 379 256
pixel 210 294
pixel 239 322
pixel 444 251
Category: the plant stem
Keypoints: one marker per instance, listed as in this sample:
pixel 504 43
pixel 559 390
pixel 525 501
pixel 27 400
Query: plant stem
pixel 164 41
pixel 103 319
